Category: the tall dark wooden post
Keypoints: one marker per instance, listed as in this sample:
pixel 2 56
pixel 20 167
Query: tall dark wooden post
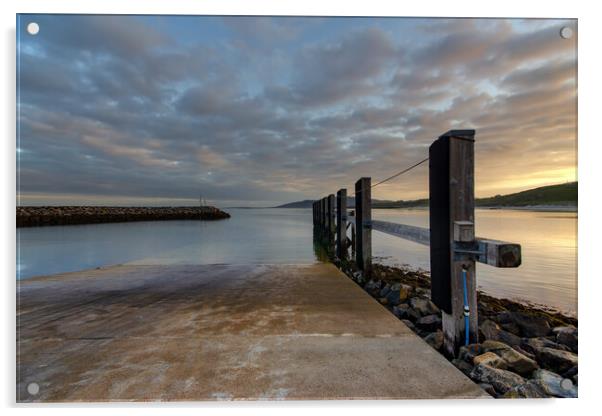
pixel 451 183
pixel 363 222
pixel 322 214
pixel 330 202
pixel 342 224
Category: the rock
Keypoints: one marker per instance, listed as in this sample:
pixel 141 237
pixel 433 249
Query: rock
pixel 511 327
pixel 556 360
pixel 397 294
pixel 504 317
pixel 412 314
pixel 529 390
pixel 571 373
pixel 566 335
pixel 488 388
pixel 490 359
pixel 523 352
pixel 435 340
pixel 401 310
pixel 384 291
pixel 492 331
pixel 501 380
pixel 468 352
pixel 463 366
pixel 534 344
pixel 515 361
pixel 409 324
pixel 554 385
pixel 429 323
pixel 422 292
pixel 424 306
pixel 531 325
pixel 383 301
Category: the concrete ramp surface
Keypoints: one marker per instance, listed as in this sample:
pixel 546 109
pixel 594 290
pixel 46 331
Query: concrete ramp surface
pixel 219 332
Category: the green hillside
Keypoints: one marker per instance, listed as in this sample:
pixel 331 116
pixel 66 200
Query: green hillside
pixel 562 195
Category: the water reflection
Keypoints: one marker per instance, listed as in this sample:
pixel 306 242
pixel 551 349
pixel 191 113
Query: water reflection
pixel 548 274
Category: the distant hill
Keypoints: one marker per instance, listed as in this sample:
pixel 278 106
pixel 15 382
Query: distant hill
pixel 560 195
pixel 563 194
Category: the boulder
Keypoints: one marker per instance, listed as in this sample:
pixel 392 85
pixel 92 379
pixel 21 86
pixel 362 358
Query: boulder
pixel 492 331
pixel 384 291
pixel 468 352
pixel 531 325
pixel 517 362
pixel 553 384
pixel 534 344
pixel 529 390
pixel 566 335
pixel 488 388
pixel 435 339
pixel 424 306
pixel 397 294
pixel 504 317
pixel 571 373
pixel 372 286
pixel 401 310
pixel 463 366
pixel 556 360
pixel 501 380
pixel 429 323
pixel 511 327
pixel 490 359
pixel 409 324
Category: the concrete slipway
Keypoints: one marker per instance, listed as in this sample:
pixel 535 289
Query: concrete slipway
pixel 211 332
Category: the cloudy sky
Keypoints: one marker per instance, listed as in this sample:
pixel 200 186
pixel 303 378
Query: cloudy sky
pixel 257 111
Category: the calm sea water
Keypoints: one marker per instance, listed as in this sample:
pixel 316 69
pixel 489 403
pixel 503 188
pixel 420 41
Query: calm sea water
pixel 547 276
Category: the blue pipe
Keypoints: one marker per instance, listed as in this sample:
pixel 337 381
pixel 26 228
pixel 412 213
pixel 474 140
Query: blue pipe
pixel 466 310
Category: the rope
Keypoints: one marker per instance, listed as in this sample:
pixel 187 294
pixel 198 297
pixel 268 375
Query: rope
pixel 406 170
pixel 400 173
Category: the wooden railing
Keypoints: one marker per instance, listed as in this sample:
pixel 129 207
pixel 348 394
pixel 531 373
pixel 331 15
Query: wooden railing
pixel 454 249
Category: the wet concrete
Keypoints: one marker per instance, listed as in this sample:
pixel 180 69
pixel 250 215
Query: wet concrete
pixel 212 332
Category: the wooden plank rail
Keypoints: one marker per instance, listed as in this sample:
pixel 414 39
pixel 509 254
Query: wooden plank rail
pixel 487 251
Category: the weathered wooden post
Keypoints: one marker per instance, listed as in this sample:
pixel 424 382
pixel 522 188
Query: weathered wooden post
pixel 363 222
pixel 331 218
pixel 453 278
pixel 342 224
pixel 322 215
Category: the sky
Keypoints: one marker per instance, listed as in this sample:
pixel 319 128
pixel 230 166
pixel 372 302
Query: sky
pixel 257 111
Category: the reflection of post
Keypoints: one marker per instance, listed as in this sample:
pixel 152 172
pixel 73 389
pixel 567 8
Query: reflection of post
pixel 342 224
pixel 363 222
pixel 451 181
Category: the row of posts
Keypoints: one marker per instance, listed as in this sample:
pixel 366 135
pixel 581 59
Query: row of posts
pixel 451 203
pixel 330 215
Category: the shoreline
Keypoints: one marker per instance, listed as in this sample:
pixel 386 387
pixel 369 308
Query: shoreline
pixel 523 352
pixel 38 216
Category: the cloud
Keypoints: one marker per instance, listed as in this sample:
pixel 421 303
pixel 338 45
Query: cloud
pixel 258 109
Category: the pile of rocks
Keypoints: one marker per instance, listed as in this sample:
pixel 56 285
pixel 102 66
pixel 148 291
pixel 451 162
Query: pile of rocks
pixel 524 352
pixel 66 215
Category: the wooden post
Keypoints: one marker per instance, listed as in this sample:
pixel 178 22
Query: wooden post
pixel 322 208
pixel 331 218
pixel 342 224
pixel 363 222
pixel 451 183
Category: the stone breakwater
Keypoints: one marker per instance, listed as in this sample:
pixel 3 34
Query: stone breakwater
pixel 69 215
pixel 524 352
